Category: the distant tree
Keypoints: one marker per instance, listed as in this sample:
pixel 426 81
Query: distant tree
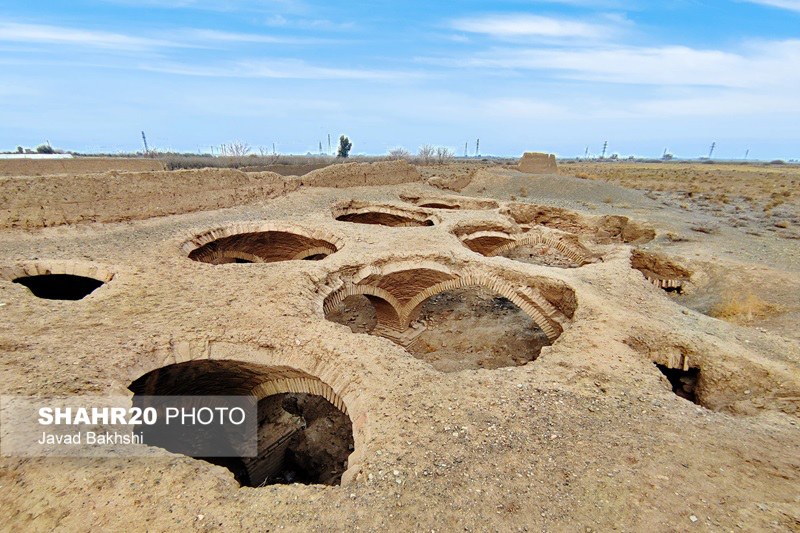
pixel 426 153
pixel 344 147
pixel 45 149
pixel 20 150
pixel 444 155
pixel 235 149
pixel 399 153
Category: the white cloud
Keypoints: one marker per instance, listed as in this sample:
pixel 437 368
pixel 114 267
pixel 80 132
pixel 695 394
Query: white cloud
pixel 523 25
pixel 775 63
pixel 44 34
pixel 791 5
pixel 201 36
pixel 278 69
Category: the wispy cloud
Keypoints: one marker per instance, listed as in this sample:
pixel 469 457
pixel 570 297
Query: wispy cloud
pixel 40 34
pixel 791 5
pixel 283 21
pixel 278 69
pixel 204 36
pixel 45 34
pixel 507 26
pixel 216 5
pixel 775 63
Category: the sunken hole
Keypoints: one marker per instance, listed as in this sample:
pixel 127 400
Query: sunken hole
pixel 60 286
pixel 262 247
pixel 459 329
pixel 660 271
pixel 302 437
pixel 683 382
pixel 383 219
pixel 530 249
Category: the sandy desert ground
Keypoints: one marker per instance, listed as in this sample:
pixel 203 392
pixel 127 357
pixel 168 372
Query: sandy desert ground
pixel 613 347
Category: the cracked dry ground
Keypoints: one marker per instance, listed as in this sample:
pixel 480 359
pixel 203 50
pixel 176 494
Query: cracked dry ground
pixel 587 436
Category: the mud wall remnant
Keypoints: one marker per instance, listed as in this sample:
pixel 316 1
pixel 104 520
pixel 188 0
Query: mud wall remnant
pixel 34 202
pixel 79 165
pixel 361 174
pixel 538 163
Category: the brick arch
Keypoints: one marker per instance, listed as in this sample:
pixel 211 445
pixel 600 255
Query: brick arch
pixel 307 385
pixel 387 307
pixel 260 380
pixel 571 251
pixel 395 314
pixel 545 321
pixel 382 214
pixel 205 237
pixel 261 242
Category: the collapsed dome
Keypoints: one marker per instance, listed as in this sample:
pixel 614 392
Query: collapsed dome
pixel 660 271
pixel 453 320
pixel 383 215
pixel 59 280
pixel 238 245
pixel 304 432
pixel 450 202
pixel 534 248
pixel 60 286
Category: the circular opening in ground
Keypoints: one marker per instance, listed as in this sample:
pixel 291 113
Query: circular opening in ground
pixel 60 286
pixel 262 247
pixel 304 433
pixel 453 330
pixel 531 248
pixel 381 218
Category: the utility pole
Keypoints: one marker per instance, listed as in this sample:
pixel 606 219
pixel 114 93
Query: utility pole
pixel 329 144
pixel 144 139
pixel 477 148
pixel 320 148
pixel 586 155
pixel 747 153
pixel 711 152
pixel 465 148
pixel 605 147
pixel 273 148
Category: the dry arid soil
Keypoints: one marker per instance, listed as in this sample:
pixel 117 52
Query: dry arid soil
pixel 613 347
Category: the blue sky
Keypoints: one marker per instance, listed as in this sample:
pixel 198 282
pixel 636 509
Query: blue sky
pixel 557 76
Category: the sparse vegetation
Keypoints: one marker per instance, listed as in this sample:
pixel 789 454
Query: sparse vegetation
pixel 45 149
pixel 742 308
pixel 399 153
pixel 425 154
pixel 234 149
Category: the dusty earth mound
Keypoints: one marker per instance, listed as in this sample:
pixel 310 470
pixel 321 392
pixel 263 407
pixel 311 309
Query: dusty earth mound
pixel 512 357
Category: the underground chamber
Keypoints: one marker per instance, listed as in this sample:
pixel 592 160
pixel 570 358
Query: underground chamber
pixel 452 324
pixel 262 247
pixel 60 286
pixel 304 434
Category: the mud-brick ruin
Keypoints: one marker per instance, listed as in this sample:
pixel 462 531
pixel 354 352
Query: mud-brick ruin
pixel 472 347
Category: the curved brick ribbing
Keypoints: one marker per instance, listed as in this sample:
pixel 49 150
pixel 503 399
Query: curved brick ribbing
pixel 309 376
pixel 570 251
pixel 298 239
pixel 299 385
pixel 395 314
pixel 382 214
pixel 258 246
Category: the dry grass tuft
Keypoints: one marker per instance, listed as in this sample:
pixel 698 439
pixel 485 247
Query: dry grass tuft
pixel 742 308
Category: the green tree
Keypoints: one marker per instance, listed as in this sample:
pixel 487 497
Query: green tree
pixel 344 147
pixel 45 149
